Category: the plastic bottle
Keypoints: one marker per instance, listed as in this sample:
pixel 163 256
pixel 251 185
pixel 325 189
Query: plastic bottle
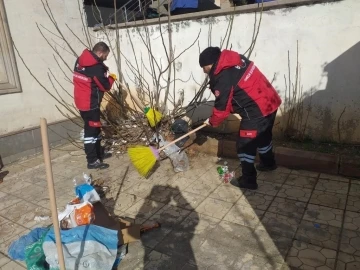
pixel 86 179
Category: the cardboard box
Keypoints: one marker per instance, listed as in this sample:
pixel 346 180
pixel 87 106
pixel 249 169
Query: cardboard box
pixel 127 232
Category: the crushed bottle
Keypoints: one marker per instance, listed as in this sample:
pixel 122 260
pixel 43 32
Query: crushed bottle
pixel 225 175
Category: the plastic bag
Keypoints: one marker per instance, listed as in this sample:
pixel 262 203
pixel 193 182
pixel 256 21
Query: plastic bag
pixel 17 248
pixel 76 215
pixel 86 193
pixel 85 248
pixel 35 256
pixel 178 158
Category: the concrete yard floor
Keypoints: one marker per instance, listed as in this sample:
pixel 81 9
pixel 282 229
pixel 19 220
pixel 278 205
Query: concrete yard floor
pixel 295 220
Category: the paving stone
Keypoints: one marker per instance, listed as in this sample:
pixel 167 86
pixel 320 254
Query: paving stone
pixel 347 262
pixel 334 177
pixel 3 220
pixel 305 173
pixel 267 188
pixel 8 200
pixel 144 209
pixel 286 207
pixel 324 215
pixel 140 189
pixel 279 225
pixel 23 213
pixel 12 266
pixel 168 216
pixel 33 193
pixel 350 242
pixel 352 221
pixel 333 200
pixel 10 230
pixel 250 261
pixel 187 200
pixel 227 192
pixel 272 246
pixel 273 177
pixel 318 234
pixel 188 235
pixel 214 208
pixel 353 203
pixel 212 255
pixel 307 256
pixel 136 257
pixel 159 261
pixel 332 186
pixel 123 202
pixel 301 181
pixel 255 200
pixel 354 188
pixel 3 259
pixel 244 215
pixel 181 182
pixel 202 187
pixel 163 193
pixel 295 193
pixel 230 234
pixel 13 186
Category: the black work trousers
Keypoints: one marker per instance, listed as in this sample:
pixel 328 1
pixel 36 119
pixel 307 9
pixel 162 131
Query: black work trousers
pixel 92 134
pixel 255 135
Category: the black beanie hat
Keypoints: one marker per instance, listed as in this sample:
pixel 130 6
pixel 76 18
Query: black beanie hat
pixel 209 56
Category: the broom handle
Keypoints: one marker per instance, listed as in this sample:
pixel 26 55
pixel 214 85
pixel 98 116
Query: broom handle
pixel 50 182
pixel 182 137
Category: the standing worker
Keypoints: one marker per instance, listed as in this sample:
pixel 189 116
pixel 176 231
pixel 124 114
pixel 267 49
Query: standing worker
pixel 240 87
pixel 91 80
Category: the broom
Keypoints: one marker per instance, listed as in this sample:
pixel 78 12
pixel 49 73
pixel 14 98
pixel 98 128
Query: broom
pixel 144 158
pixel 153 116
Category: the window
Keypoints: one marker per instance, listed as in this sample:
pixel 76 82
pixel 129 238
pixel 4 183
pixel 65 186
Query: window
pixel 9 76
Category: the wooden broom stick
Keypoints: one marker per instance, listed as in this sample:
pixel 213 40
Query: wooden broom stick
pixel 50 182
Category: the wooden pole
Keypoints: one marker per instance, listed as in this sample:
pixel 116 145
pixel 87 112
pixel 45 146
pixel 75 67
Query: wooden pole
pixel 50 182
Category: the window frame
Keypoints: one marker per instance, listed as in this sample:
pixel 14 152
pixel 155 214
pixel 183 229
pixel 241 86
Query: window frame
pixel 12 84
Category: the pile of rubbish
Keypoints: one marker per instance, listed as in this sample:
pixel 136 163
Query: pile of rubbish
pixel 91 238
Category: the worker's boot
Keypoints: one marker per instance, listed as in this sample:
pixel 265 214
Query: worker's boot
pixel 248 178
pixel 98 165
pixel 267 162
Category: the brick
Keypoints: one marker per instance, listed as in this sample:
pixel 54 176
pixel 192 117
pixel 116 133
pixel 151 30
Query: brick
pixel 307 160
pixel 349 167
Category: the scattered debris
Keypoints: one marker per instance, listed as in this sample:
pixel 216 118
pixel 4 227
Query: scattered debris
pixel 41 218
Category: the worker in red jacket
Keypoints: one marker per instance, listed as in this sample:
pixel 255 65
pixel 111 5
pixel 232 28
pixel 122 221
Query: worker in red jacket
pixel 239 87
pixel 91 81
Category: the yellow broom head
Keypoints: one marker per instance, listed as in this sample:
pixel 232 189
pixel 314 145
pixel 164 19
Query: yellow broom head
pixel 143 158
pixel 153 116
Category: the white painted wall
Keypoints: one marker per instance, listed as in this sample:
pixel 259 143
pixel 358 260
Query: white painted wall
pixel 329 43
pixel 23 110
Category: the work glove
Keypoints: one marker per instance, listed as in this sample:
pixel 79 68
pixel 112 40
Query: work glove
pixel 112 75
pixel 207 122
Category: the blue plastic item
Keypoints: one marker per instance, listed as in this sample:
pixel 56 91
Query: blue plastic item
pixel 260 1
pixel 17 248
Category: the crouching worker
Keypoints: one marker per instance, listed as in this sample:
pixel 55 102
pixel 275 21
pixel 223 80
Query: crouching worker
pixel 239 87
pixel 91 81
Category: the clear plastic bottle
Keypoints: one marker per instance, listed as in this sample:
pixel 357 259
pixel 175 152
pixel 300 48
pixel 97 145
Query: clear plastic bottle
pixel 86 179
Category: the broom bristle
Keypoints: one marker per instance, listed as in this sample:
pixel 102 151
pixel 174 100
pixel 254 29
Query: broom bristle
pixel 154 117
pixel 143 158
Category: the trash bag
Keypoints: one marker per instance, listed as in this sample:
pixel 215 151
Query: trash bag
pixel 35 257
pixel 88 247
pixel 180 127
pixel 16 250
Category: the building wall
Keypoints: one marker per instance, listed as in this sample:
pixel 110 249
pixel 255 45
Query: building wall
pixel 23 110
pixel 329 57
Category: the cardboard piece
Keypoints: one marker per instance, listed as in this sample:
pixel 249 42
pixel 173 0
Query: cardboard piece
pixel 127 232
